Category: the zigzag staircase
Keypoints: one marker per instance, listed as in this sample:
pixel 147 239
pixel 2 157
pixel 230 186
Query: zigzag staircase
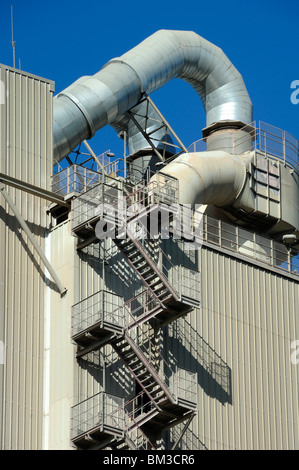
pixel 160 406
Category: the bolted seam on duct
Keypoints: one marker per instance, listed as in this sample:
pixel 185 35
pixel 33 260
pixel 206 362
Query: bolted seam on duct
pixel 92 102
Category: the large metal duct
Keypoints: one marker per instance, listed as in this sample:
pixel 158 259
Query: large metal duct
pixel 95 101
pixel 207 177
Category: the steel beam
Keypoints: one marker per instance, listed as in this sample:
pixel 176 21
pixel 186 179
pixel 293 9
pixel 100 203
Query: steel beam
pixel 29 234
pixel 34 190
pixel 183 431
pixel 94 157
pixel 145 135
pixel 167 124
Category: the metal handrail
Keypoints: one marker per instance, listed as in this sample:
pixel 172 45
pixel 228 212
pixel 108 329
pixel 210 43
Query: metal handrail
pixel 122 411
pixel 259 137
pixel 140 334
pixel 262 249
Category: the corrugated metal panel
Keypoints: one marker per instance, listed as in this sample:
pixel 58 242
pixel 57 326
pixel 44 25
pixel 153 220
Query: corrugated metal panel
pixel 25 153
pixel 239 343
pixel 59 366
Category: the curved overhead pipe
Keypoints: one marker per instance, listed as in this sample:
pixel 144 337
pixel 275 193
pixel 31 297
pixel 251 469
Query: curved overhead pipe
pixel 95 101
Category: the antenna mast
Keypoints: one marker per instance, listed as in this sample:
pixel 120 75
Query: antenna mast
pixel 12 41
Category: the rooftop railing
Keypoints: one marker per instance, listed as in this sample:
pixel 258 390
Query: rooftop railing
pixel 110 191
pixel 80 178
pixel 267 139
pixel 249 244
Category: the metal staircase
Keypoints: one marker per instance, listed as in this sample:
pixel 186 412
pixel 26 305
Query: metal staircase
pixel 162 302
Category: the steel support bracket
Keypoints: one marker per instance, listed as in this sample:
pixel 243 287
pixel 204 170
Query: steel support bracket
pixel 29 234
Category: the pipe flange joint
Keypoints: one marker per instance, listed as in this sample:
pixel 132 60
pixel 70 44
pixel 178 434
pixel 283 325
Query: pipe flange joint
pixel 83 110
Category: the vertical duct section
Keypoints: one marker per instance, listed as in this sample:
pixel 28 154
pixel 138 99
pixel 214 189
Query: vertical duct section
pixel 141 155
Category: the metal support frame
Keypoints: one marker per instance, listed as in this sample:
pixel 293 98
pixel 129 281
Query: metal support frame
pixel 145 135
pixel 183 431
pixel 94 157
pixel 164 123
pixel 38 249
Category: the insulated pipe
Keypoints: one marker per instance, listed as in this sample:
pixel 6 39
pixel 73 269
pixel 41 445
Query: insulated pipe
pixel 206 178
pixel 95 101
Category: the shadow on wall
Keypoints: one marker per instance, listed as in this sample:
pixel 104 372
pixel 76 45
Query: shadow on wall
pixel 119 276
pixel 108 374
pixel 179 255
pixel 214 375
pixel 188 441
pixel 13 225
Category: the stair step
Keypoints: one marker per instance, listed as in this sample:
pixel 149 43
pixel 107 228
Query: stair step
pixel 141 265
pixel 131 250
pixel 142 374
pixel 133 362
pixel 148 379
pixel 136 259
pixel 153 387
pixel 156 284
pixel 121 348
pixel 161 290
pixel 130 356
pixel 125 245
pixel 139 366
pixel 159 396
pixel 151 276
pixel 147 270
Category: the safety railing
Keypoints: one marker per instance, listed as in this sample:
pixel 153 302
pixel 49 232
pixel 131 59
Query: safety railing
pixel 79 178
pixel 111 196
pixel 103 410
pixel 136 408
pixel 171 376
pixel 269 140
pixel 109 412
pixel 249 244
pixel 186 387
pixel 88 205
pixel 74 179
pixel 139 306
pixel 103 308
pixel 183 280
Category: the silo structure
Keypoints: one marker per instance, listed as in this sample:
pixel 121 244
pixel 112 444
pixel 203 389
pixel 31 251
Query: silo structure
pixel 149 303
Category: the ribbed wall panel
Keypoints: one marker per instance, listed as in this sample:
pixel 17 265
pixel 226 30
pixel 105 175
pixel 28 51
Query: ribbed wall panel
pixel 25 153
pixel 239 343
pixel 59 366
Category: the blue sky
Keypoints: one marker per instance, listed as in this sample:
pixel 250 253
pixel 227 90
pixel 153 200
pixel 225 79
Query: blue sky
pixel 63 40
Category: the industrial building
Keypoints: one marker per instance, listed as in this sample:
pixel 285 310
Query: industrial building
pixel 146 338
